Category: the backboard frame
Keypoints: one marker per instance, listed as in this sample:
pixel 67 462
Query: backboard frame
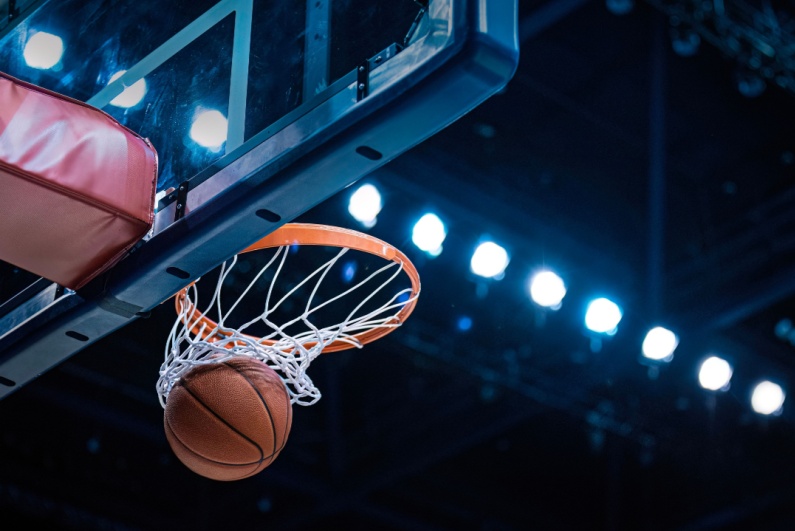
pixel 469 53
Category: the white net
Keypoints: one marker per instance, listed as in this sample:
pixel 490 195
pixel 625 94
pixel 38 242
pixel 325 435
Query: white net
pixel 195 339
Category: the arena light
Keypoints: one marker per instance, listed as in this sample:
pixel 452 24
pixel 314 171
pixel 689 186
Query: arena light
pixel 620 7
pixel 659 344
pixel 685 41
pixel 547 289
pixel 349 271
pixel 715 374
pixel 43 50
pixel 209 129
pixel 767 398
pixel 603 316
pixel 489 260
pixel 365 205
pixel 429 233
pixel 132 95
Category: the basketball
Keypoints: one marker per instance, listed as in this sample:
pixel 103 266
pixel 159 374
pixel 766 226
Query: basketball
pixel 229 420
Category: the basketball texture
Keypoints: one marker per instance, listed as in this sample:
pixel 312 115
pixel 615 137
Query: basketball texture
pixel 228 421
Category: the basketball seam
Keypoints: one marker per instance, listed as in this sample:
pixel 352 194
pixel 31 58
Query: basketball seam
pixel 265 404
pixel 191 450
pixel 235 430
pixel 212 461
pixel 264 460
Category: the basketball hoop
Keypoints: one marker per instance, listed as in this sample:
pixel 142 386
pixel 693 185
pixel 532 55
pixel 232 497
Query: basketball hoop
pixel 208 337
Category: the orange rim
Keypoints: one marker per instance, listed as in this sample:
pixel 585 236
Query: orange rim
pixel 319 235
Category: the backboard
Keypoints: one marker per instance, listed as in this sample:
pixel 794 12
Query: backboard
pixel 313 95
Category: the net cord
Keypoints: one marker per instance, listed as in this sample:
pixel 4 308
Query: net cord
pixel 190 343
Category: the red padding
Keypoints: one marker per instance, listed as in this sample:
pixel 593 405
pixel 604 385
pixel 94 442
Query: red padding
pixel 77 189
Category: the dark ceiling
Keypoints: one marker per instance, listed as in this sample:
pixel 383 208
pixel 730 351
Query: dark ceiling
pixel 637 173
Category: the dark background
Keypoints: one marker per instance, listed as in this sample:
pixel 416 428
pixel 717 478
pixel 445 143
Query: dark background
pixel 636 172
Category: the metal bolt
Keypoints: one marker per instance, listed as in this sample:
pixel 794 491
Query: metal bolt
pixel 361 86
pixel 179 206
pixel 361 69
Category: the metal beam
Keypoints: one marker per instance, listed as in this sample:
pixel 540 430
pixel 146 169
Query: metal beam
pixel 316 47
pixel 657 177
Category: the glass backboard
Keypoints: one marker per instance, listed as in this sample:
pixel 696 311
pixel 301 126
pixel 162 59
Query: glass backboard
pixel 309 97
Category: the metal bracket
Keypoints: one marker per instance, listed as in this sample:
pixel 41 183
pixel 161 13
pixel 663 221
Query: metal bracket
pixel 363 81
pixel 182 200
pixel 423 5
pixel 13 10
pixel 363 71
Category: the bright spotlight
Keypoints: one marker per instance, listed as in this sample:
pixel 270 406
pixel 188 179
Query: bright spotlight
pixel 715 374
pixel 209 129
pixel 767 398
pixel 660 344
pixel 365 204
pixel 43 50
pixel 132 95
pixel 547 289
pixel 429 233
pixel 489 260
pixel 603 316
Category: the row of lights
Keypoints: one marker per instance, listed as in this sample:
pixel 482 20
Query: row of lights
pixel 547 289
pixel 43 51
pixel 489 260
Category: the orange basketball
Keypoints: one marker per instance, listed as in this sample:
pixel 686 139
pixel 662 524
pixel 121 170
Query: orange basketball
pixel 229 420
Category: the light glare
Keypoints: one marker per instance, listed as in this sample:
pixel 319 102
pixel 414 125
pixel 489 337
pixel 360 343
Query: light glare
pixel 547 289
pixel 715 374
pixel 365 204
pixel 209 129
pixel 43 50
pixel 464 323
pixel 489 260
pixel 660 344
pixel 428 234
pixel 603 316
pixel 132 95
pixel 767 398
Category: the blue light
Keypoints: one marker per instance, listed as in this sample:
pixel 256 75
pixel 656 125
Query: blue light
pixel 715 374
pixel 348 272
pixel 620 7
pixel 489 260
pixel 429 233
pixel 547 289
pixel 767 398
pixel 130 96
pixel 603 316
pixel 43 50
pixel 365 205
pixel 209 129
pixel 659 344
pixel 464 323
